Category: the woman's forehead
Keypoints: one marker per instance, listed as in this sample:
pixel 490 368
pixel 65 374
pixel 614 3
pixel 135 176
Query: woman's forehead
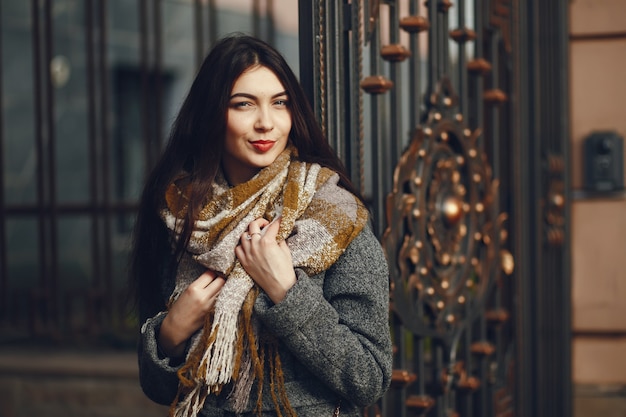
pixel 258 78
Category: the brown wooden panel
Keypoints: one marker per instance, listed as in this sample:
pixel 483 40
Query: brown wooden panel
pixel 597 17
pixel 598 274
pixel 599 361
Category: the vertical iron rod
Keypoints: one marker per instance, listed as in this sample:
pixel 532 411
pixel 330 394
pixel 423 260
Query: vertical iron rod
pixel 433 36
pixel 158 77
pixel 51 154
pixel 485 404
pixel 256 18
pixel 212 22
pixel 494 110
pixel 335 78
pixel 378 148
pixel 199 31
pixel 39 146
pixel 444 40
pixel 105 139
pixel 462 63
pixel 4 298
pixel 144 45
pixel 415 93
pixel 271 28
pixel 478 113
pixel 92 143
pixel 467 405
pixel 395 100
pixel 309 48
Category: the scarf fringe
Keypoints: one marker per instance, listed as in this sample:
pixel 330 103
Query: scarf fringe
pixel 218 358
pixel 212 361
pixel 244 371
pixel 191 405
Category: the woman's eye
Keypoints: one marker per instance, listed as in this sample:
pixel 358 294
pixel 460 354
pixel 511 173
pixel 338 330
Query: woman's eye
pixel 241 104
pixel 281 102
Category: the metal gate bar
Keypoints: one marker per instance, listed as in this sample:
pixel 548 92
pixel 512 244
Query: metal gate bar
pixel 93 139
pixel 42 301
pixel 4 298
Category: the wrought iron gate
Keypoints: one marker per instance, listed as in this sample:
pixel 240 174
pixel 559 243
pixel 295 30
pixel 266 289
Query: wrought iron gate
pixel 451 117
pixel 441 112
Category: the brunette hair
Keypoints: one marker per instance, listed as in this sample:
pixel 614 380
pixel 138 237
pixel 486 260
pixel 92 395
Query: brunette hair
pixel 196 145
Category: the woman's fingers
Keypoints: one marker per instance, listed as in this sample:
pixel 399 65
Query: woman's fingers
pixel 188 312
pixel 271 229
pixel 208 279
pixel 204 280
pixel 267 261
pixel 257 225
pixel 255 230
pixel 199 297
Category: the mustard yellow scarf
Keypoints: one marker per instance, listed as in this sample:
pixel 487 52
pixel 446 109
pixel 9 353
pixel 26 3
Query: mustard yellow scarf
pixel 318 221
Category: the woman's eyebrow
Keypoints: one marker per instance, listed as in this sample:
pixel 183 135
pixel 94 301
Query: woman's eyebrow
pixel 252 96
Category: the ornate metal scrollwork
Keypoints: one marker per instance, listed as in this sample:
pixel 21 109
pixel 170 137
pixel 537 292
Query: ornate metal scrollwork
pixel 444 234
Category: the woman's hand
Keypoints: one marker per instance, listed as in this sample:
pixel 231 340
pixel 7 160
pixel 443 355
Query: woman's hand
pixel 188 312
pixel 268 262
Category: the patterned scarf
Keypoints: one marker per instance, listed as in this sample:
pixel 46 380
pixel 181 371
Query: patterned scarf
pixel 318 221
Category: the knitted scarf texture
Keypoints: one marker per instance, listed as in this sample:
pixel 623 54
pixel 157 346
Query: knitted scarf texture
pixel 318 219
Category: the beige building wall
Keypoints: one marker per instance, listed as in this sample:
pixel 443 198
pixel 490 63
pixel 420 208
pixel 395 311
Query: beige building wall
pixel 598 102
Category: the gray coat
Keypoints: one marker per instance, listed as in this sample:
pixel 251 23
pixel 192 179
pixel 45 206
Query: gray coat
pixel 334 337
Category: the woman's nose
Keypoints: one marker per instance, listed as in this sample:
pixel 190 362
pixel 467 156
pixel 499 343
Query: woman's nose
pixel 264 120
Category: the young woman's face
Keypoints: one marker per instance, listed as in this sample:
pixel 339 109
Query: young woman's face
pixel 258 124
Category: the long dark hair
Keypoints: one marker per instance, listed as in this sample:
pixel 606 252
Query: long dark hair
pixel 196 145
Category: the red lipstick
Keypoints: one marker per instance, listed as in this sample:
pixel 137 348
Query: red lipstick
pixel 263 145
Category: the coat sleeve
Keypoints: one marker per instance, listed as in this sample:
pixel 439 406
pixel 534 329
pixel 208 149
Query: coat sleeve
pixel 157 374
pixel 340 330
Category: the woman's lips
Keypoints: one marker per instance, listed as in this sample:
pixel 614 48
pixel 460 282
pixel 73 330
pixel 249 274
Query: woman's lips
pixel 263 145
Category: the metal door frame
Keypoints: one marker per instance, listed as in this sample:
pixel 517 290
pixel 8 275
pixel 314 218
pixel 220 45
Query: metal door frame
pixel 331 41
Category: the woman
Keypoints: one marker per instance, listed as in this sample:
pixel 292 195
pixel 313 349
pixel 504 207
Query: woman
pixel 260 286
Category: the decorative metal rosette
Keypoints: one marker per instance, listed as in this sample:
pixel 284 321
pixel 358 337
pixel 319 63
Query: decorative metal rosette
pixel 444 231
